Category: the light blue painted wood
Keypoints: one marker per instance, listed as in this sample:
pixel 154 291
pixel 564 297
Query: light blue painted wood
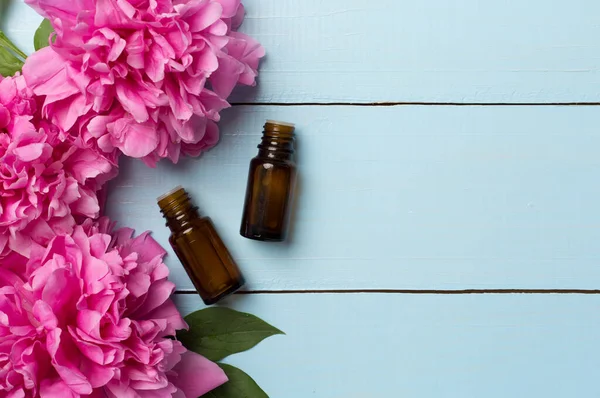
pixel 408 197
pixel 411 197
pixel 433 50
pixel 423 346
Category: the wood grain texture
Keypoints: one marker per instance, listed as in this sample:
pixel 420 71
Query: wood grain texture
pixel 410 197
pixel 414 51
pixel 382 346
pixel 403 197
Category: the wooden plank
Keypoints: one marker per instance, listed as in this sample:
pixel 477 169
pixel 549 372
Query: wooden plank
pixel 426 346
pixel 407 197
pixel 415 51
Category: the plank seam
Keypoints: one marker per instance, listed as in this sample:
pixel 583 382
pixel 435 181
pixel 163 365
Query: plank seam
pixel 409 291
pixel 391 104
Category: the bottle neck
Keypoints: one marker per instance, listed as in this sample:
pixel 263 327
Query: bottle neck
pixel 277 141
pixel 178 211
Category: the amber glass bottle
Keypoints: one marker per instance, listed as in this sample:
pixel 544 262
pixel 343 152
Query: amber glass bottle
pixel 271 182
pixel 199 248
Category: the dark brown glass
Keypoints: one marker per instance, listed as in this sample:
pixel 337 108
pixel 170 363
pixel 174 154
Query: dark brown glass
pixel 271 182
pixel 199 248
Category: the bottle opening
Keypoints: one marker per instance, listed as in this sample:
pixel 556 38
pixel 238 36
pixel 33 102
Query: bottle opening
pixel 175 198
pixel 279 123
pixel 171 192
pixel 279 129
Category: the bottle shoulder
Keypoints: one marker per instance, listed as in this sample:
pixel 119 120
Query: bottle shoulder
pixel 192 227
pixel 275 162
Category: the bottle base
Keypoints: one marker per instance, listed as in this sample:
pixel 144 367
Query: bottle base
pixel 232 289
pixel 263 237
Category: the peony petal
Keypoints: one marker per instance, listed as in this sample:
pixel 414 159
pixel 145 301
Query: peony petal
pixel 97 126
pixel 238 18
pixel 60 8
pixel 44 314
pixel 205 17
pixel 132 102
pixel 145 245
pixel 21 244
pixel 30 152
pixel 56 388
pixel 155 62
pixel 169 312
pixel 41 67
pixel 188 369
pixel 121 390
pixel 230 7
pixel 68 111
pixel 98 375
pixel 88 164
pixel 23 129
pixel 4 117
pixel 137 140
pixel 64 356
pixel 8 90
pixel 248 51
pixel 60 292
pixel 113 12
pixel 87 204
pixel 226 77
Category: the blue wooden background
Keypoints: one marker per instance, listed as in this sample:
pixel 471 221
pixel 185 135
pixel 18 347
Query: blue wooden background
pixel 443 146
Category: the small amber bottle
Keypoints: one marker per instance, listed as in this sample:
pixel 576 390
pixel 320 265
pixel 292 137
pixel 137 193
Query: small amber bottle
pixel 199 248
pixel 271 182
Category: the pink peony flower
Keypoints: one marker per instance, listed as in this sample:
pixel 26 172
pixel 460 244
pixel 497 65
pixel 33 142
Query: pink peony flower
pixel 91 315
pixel 137 71
pixel 46 177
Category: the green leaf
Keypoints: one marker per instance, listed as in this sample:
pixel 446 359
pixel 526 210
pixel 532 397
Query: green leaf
pixel 10 47
pixel 11 58
pixel 9 64
pixel 218 332
pixel 41 38
pixel 240 385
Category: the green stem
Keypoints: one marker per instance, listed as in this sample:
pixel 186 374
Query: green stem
pixel 5 42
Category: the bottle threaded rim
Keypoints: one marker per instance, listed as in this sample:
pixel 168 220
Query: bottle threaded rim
pixel 283 128
pixel 279 123
pixel 171 192
pixel 172 199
